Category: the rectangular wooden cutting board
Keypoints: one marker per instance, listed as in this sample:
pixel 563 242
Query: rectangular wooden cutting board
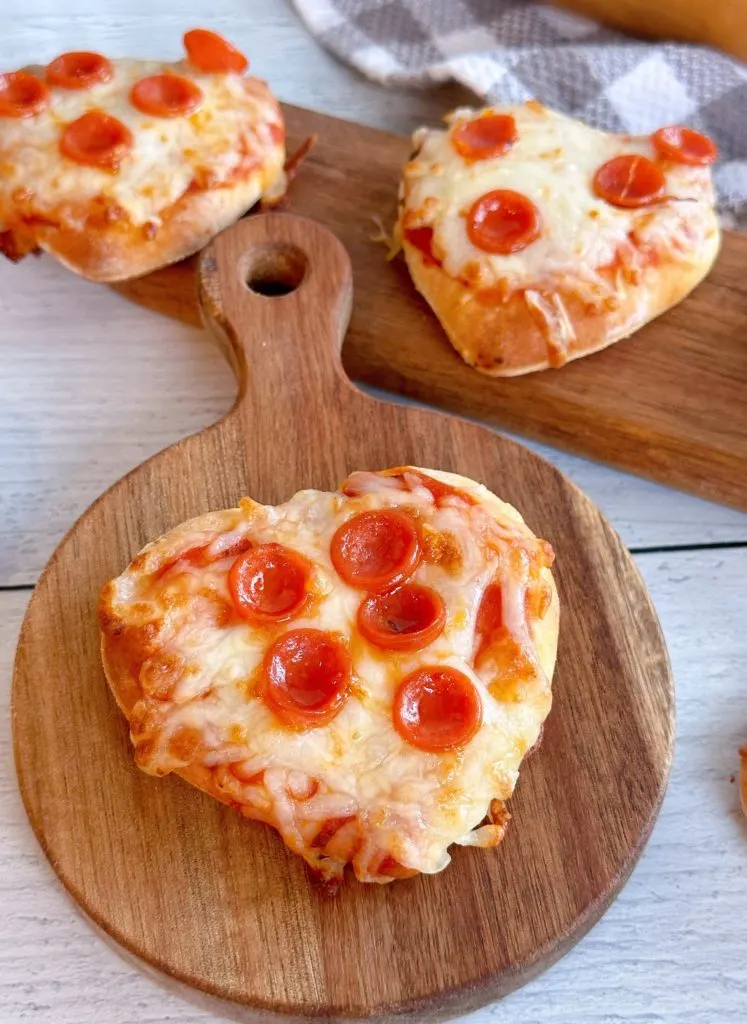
pixel 669 403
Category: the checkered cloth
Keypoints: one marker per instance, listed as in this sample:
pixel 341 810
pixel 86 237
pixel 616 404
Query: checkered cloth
pixel 508 51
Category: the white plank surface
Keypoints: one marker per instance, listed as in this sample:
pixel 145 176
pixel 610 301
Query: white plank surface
pixel 90 386
pixel 670 951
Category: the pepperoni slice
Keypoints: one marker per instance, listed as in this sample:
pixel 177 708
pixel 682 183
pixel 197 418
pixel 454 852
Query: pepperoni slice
pixel 437 709
pixel 79 70
pixel 503 221
pixel 684 145
pixel 268 583
pixel 485 137
pixel 422 239
pixel 630 180
pixel 208 51
pixel 166 95
pixel 306 677
pixel 97 140
pixel 406 619
pixel 22 95
pixel 376 550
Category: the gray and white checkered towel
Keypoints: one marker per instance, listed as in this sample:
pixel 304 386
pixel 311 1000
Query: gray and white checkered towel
pixel 508 51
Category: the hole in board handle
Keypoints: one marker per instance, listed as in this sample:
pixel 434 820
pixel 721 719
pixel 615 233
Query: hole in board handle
pixel 274 270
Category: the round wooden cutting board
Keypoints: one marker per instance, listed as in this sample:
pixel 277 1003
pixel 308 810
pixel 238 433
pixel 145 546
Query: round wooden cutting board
pixel 217 902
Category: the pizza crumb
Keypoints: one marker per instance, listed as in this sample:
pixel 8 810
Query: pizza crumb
pixel 392 242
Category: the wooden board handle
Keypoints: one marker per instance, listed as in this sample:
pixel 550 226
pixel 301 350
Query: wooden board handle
pixel 277 291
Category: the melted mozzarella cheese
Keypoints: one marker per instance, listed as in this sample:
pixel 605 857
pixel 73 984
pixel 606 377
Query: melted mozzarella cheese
pixel 234 120
pixel 553 162
pixel 411 804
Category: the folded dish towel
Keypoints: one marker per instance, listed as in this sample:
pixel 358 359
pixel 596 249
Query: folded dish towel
pixel 508 51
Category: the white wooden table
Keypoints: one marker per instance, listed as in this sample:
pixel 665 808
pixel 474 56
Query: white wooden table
pixel 90 386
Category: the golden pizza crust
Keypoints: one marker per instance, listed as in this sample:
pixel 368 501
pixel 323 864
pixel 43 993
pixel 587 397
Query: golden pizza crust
pixel 505 339
pixel 117 252
pixel 127 691
pixel 123 644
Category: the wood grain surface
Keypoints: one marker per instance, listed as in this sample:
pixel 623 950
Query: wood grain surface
pixel 667 403
pixel 217 902
pixel 719 23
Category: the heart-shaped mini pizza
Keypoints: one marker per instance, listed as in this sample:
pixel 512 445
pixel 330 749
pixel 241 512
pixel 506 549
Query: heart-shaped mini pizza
pixel 363 669
pixel 117 167
pixel 537 239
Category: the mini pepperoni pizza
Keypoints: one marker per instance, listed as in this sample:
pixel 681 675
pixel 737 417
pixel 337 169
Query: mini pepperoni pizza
pixel 117 167
pixel 536 239
pixel 363 670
